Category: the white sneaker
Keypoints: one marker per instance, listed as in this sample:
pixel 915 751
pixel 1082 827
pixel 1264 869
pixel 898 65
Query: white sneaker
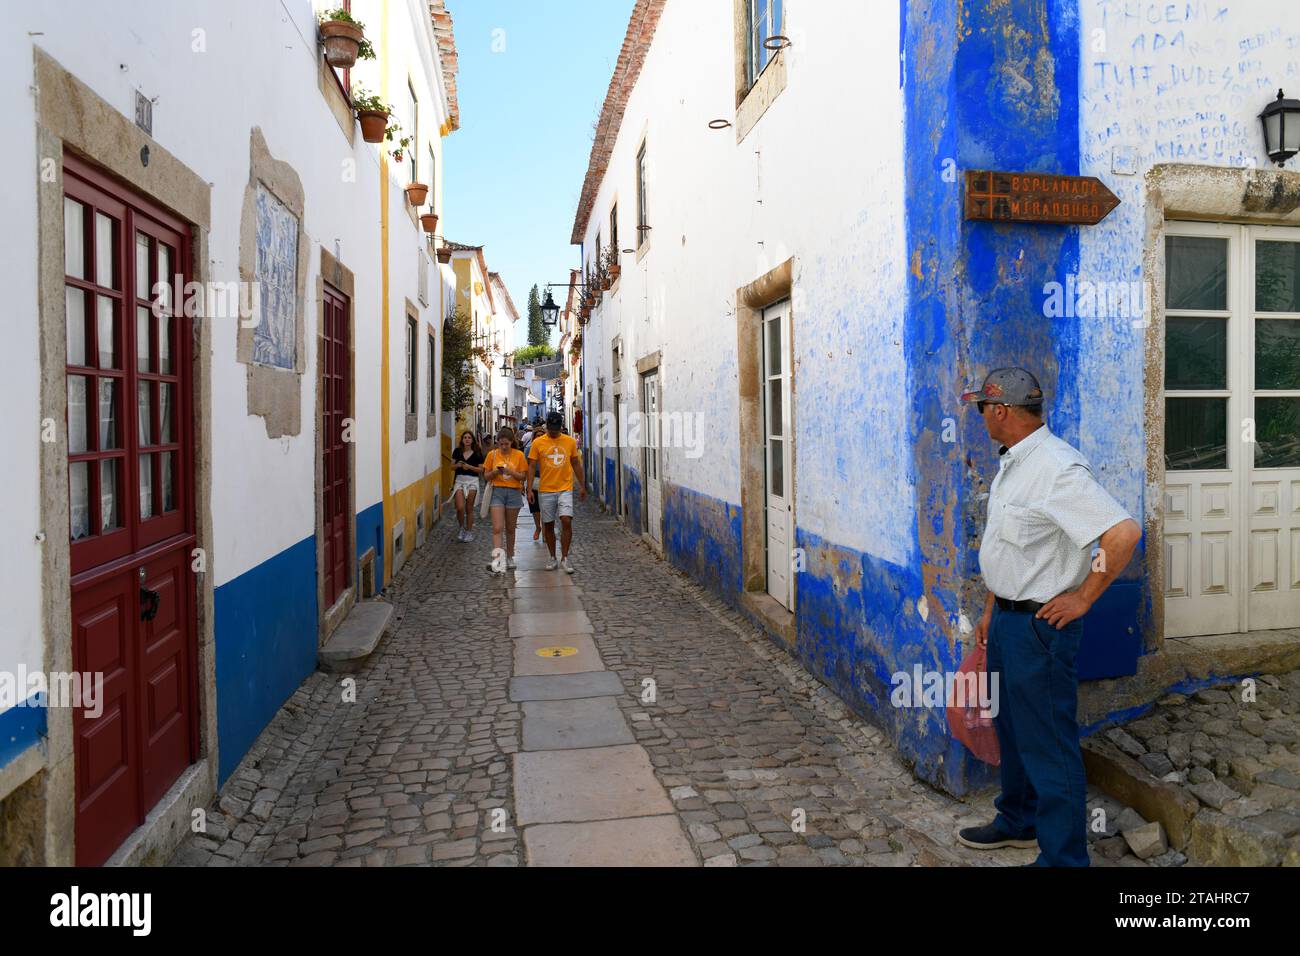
pixel 510 564
pixel 469 535
pixel 552 564
pixel 460 535
pixel 568 568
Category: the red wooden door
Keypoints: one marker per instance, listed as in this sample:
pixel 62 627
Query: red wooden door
pixel 336 396
pixel 130 466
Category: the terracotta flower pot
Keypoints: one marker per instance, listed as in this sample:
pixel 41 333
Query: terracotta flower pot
pixel 429 221
pixel 614 271
pixel 444 255
pixel 342 42
pixel 373 125
pixel 416 193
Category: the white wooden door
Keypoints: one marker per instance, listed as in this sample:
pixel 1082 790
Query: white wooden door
pixel 1232 429
pixel 778 453
pixel 1272 360
pixel 650 467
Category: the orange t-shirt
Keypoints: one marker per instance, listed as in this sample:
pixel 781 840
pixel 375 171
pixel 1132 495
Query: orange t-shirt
pixel 513 460
pixel 554 457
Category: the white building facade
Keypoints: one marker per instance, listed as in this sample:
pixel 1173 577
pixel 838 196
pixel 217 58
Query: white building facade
pixel 789 297
pixel 201 492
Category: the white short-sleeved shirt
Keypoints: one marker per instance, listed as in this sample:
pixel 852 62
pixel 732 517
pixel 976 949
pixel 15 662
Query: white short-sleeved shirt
pixel 1045 511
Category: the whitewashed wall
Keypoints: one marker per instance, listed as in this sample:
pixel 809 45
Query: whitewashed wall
pixel 1161 83
pixel 818 178
pixel 218 69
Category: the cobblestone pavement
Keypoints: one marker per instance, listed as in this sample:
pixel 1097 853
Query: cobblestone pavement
pixel 739 736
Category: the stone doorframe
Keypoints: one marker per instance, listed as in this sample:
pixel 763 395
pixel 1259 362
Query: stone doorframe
pixel 1182 191
pixel 644 365
pixel 342 279
pixel 768 289
pixel 70 117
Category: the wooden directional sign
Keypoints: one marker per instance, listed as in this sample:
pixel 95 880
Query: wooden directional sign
pixel 1037 197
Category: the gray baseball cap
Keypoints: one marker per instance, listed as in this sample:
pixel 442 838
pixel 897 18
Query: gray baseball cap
pixel 1007 386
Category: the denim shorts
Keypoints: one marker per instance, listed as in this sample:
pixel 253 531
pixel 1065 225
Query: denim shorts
pixel 511 498
pixel 556 504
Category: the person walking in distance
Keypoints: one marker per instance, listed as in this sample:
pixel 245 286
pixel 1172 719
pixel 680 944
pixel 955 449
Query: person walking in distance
pixel 467 463
pixel 558 464
pixel 1045 510
pixel 505 469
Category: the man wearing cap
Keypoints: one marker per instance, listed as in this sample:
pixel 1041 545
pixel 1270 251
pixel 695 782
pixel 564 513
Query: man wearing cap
pixel 1045 510
pixel 556 460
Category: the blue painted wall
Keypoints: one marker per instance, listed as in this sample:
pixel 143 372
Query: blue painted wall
pixel 20 728
pixel 370 534
pixel 632 497
pixel 610 488
pixel 997 89
pixel 266 636
pixel 702 537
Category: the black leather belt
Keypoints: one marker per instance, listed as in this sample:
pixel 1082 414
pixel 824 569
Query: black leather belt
pixel 1028 607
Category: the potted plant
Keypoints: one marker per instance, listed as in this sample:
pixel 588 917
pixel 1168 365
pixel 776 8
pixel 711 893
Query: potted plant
pixel 444 254
pixel 343 38
pixel 416 193
pixel 429 221
pixel 612 265
pixel 373 113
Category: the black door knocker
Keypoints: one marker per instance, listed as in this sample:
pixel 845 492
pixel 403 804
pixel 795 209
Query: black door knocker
pixel 149 601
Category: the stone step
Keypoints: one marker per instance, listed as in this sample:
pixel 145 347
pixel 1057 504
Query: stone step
pixel 356 638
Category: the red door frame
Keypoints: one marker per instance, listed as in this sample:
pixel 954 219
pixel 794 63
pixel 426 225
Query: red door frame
pixel 104 565
pixel 336 468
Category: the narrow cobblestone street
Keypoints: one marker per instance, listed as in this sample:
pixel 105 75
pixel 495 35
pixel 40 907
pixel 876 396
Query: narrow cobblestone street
pixel 739 737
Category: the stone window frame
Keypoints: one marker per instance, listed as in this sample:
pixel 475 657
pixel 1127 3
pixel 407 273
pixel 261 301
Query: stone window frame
pixel 774 286
pixel 1174 192
pixel 753 100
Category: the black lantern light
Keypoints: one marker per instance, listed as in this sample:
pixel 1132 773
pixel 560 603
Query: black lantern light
pixel 1281 120
pixel 550 311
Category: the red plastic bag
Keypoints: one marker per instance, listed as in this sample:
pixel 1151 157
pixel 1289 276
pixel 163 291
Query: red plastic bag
pixel 972 702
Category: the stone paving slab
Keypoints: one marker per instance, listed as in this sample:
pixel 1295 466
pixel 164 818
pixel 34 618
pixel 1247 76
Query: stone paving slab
pixel 549 622
pixel 547 600
pixel 576 786
pixel 528 661
pixel 541 579
pixel 641 841
pixel 573 724
pixel 599 683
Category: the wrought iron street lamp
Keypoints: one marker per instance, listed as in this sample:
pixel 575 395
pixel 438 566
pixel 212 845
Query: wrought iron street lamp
pixel 550 311
pixel 1281 120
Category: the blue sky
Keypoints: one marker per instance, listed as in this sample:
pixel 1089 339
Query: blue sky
pixel 514 169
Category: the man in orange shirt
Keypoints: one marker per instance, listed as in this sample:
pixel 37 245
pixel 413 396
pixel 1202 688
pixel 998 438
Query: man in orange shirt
pixel 557 462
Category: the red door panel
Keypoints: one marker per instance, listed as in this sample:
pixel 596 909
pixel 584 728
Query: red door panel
pixel 108 807
pixel 130 467
pixel 336 391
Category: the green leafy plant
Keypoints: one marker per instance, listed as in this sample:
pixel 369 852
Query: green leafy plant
pixel 365 51
pixel 533 353
pixel 363 101
pixel 457 371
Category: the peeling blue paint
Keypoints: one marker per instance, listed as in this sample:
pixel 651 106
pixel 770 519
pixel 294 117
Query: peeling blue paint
pixel 632 498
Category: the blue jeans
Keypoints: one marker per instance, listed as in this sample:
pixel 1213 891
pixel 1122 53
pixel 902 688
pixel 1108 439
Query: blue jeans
pixel 1038 735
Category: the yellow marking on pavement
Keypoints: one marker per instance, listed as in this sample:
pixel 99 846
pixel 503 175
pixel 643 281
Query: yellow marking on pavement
pixel 556 651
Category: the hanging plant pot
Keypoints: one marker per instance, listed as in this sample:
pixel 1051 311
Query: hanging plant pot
pixel 614 270
pixel 429 222
pixel 373 125
pixel 342 42
pixel 443 254
pixel 416 193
